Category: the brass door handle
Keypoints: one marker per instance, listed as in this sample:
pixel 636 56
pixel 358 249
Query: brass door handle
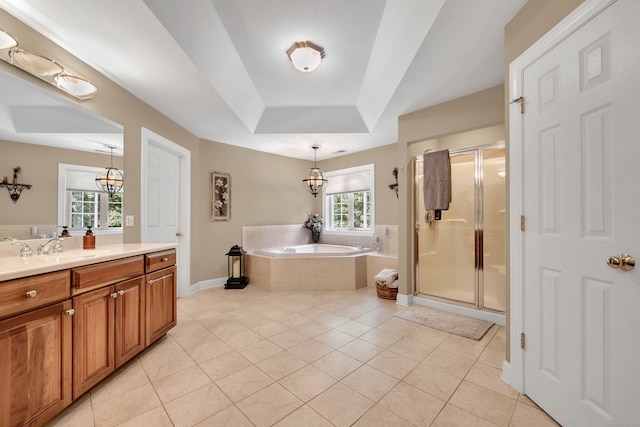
pixel 624 262
pixel 178 233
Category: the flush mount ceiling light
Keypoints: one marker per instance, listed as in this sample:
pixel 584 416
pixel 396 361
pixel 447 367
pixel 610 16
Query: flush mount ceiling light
pixel 110 180
pixel 316 180
pixel 6 40
pixel 305 56
pixel 43 68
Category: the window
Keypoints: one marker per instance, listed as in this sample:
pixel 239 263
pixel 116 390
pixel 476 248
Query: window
pixel 348 200
pixel 83 205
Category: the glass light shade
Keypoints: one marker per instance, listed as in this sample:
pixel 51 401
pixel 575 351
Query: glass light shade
pixel 314 182
pixel 76 86
pixel 305 56
pixel 6 40
pixel 35 64
pixel 110 180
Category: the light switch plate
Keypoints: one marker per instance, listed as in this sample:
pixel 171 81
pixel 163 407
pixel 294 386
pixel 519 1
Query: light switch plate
pixel 129 221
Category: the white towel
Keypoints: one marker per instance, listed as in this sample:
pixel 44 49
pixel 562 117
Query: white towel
pixel 437 180
pixel 386 276
pixel 394 285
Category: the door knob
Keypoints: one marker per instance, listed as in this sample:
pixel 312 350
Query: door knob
pixel 178 233
pixel 624 262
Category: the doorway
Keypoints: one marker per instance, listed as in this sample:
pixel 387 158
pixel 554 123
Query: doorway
pixel 460 257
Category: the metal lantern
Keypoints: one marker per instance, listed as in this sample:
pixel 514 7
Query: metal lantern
pixel 237 279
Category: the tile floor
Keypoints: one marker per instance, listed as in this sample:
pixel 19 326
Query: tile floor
pixel 257 358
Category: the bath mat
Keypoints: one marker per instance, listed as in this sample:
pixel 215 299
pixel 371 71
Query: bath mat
pixel 448 322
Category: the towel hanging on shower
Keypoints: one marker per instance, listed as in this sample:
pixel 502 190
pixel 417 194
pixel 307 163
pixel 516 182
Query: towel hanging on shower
pixel 437 180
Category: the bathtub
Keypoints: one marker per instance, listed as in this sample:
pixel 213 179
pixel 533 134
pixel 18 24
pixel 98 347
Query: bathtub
pixel 315 267
pixel 312 250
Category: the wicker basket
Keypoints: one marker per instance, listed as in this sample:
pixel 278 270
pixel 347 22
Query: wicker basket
pixel 386 293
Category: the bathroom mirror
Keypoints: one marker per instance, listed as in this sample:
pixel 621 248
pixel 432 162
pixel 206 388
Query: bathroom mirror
pixel 40 129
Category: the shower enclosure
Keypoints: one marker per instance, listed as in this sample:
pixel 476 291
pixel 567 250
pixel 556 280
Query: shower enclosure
pixel 460 258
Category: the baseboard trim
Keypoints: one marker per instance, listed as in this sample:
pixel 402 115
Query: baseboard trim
pixel 206 284
pixel 404 300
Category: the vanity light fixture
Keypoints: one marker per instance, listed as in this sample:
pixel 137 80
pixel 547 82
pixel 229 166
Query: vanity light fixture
pixel 43 68
pixel 14 188
pixel 305 56
pixel 110 180
pixel 316 180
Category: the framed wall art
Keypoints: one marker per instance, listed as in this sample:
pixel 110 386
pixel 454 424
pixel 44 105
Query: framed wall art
pixel 220 196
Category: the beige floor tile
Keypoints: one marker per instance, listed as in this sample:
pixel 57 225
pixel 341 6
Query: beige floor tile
pixel 380 337
pixel 450 416
pixel 308 382
pixel 294 320
pixel 243 338
pixel 334 338
pixel 379 416
pixel 310 350
pixel 488 336
pixel 273 312
pixel 312 329
pixel 341 405
pixel 489 377
pixel 499 340
pixel 449 363
pixel 529 416
pixel 492 357
pixel 412 404
pixel 156 417
pixel 129 377
pixel 370 382
pixel 227 330
pixel 394 364
pixel 355 328
pixel 208 349
pixel 411 349
pixel 280 365
pixel 79 414
pixel 313 313
pixel 190 334
pixel 251 320
pixel 360 350
pixel 398 326
pixel 375 317
pixel 288 339
pixel 224 365
pixel 244 383
pixel 270 329
pixel 304 416
pixel 129 405
pixel 354 310
pixel 197 406
pixel 173 386
pixel 337 365
pixel 484 403
pixel 461 347
pixel 229 417
pixel 523 398
pixel 164 359
pixel 259 350
pixel 429 336
pixel 433 381
pixel 269 405
pixel 333 320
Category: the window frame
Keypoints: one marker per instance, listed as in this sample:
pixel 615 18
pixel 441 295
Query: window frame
pixel 327 204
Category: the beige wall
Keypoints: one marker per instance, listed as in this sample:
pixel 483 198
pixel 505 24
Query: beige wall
pixel 39 205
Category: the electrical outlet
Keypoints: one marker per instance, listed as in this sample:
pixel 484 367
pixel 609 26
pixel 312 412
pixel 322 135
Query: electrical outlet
pixel 129 221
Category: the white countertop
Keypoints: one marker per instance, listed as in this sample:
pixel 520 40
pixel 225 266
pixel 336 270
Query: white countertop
pixel 15 267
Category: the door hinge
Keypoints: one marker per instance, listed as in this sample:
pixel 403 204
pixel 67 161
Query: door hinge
pixel 522 222
pixel 521 101
pixel 523 341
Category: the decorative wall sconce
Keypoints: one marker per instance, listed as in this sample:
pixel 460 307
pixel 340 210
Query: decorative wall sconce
pixel 394 186
pixel 316 180
pixel 14 188
pixel 110 180
pixel 43 68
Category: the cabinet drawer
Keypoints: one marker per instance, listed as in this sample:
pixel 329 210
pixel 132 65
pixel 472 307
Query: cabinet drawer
pixel 105 273
pixel 158 260
pixel 28 293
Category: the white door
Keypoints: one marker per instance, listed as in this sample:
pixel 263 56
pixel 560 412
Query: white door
pixel 581 182
pixel 165 199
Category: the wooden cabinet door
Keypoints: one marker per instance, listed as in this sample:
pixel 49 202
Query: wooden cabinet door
pixel 161 303
pixel 93 338
pixel 130 320
pixel 35 366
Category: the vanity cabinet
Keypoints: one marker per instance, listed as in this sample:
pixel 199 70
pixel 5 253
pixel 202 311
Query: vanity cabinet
pixel 35 348
pixel 161 298
pixel 109 322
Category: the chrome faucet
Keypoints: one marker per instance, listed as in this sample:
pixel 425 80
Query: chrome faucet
pixel 25 252
pixel 356 244
pixel 52 246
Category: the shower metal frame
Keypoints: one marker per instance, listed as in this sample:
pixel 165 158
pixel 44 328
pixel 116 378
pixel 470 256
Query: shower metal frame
pixel 478 221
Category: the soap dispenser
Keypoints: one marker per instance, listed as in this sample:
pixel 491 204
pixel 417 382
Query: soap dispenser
pixel 89 240
pixel 65 232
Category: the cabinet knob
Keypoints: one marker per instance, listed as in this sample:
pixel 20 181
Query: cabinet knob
pixel 32 294
pixel 165 259
pixel 114 295
pixel 120 292
pixel 70 312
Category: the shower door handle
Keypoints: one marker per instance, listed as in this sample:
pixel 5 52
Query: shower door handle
pixel 479 249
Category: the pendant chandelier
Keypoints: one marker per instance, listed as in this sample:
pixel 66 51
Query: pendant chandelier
pixel 110 180
pixel 316 180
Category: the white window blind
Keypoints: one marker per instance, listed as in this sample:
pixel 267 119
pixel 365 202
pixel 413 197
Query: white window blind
pixel 80 180
pixel 350 180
